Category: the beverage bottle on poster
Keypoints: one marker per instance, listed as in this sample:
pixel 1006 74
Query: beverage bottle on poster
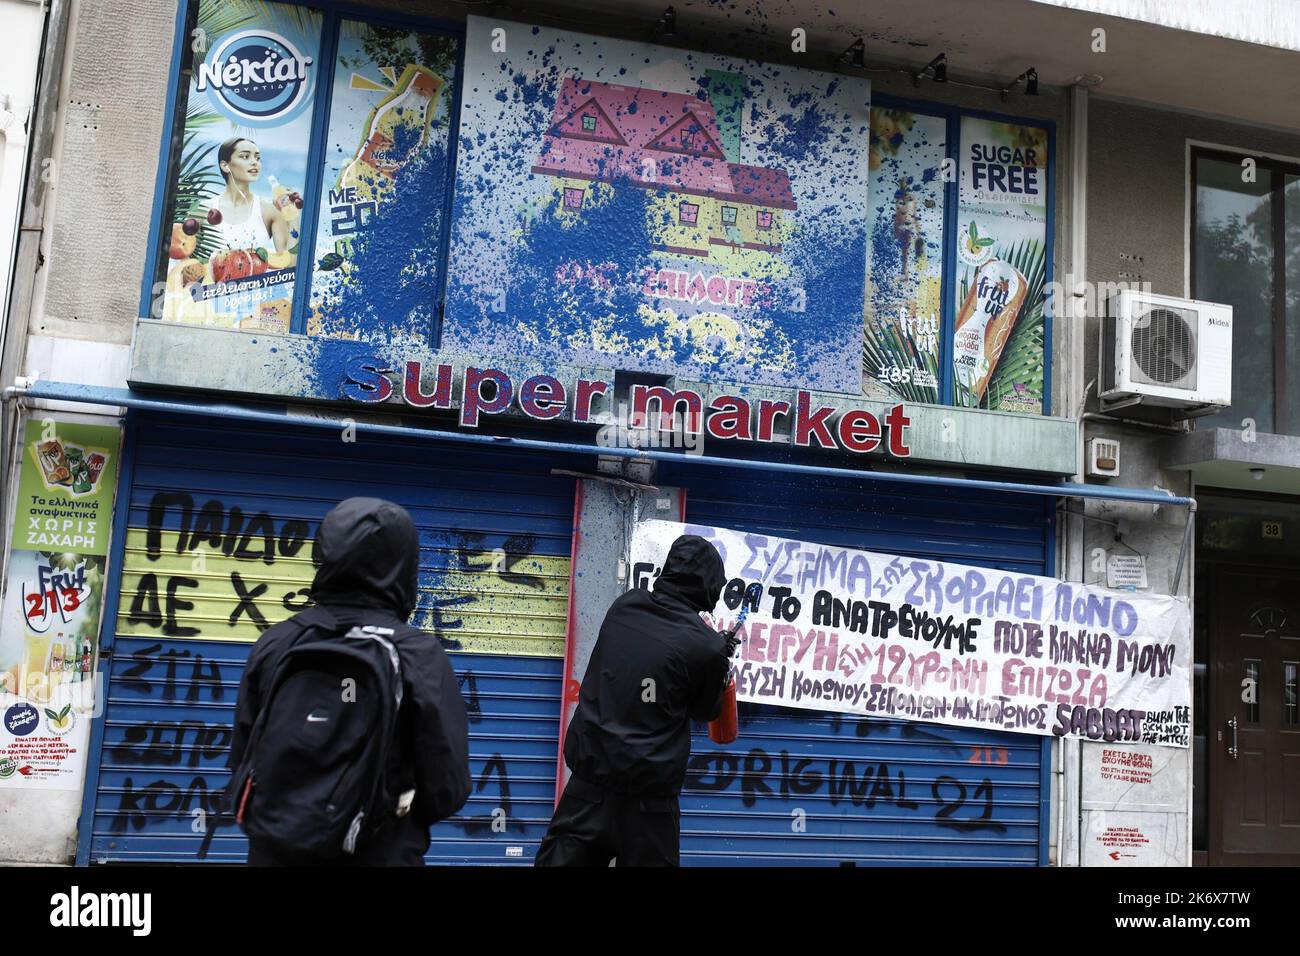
pixel 56 659
pixel 984 324
pixel 397 130
pixel 95 465
pixel 283 199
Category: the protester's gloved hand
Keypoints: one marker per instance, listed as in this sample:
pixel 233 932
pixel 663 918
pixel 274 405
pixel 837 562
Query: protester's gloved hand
pixel 732 637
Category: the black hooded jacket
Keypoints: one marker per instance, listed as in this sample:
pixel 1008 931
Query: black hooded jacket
pixel 368 552
pixel 656 666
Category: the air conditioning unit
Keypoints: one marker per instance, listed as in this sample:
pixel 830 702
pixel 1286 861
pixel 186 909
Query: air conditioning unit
pixel 1162 350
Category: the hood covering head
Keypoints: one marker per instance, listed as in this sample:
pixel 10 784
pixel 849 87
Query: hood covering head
pixel 369 554
pixel 693 572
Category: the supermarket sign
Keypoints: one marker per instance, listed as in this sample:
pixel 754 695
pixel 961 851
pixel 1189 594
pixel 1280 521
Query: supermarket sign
pixel 484 392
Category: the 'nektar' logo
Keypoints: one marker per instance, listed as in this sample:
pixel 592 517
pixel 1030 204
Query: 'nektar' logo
pixel 256 77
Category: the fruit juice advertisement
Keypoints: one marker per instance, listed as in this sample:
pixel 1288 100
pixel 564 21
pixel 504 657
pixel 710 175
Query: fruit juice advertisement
pixel 232 233
pixel 50 618
pixel 66 486
pixel 901 330
pixel 378 249
pixel 1002 267
pixel 51 621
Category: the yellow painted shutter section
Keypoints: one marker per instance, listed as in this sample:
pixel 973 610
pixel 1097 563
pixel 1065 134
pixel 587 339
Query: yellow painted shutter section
pixel 486 602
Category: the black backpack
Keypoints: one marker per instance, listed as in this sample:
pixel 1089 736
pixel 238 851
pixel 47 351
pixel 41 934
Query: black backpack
pixel 312 782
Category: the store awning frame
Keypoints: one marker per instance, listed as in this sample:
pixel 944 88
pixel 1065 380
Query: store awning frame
pixel 127 398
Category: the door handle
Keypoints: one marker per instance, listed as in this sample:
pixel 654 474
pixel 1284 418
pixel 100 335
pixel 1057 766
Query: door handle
pixel 1232 750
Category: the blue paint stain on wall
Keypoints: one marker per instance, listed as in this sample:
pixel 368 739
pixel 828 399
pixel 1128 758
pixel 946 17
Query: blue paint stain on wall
pixel 585 249
pixel 392 290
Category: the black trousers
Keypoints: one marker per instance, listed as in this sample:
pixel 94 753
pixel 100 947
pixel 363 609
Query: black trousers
pixel 401 842
pixel 592 826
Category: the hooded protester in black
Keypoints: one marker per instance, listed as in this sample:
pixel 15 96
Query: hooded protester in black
pixel 656 666
pixel 368 552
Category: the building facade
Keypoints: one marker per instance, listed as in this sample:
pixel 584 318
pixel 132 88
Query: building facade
pixel 543 278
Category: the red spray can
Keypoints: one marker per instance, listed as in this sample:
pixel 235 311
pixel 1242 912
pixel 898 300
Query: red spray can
pixel 724 728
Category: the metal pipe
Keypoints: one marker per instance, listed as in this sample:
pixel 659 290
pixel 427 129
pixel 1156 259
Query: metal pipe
pixel 99 395
pixel 1073 350
pixel 1182 550
pixel 1133 422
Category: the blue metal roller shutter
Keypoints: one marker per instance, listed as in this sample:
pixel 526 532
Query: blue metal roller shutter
pixel 495 532
pixel 806 788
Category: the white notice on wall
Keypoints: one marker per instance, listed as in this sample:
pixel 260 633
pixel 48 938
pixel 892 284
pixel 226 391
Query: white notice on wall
pixel 1126 572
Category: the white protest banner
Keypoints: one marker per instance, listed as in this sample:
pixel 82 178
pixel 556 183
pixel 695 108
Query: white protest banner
pixel 859 632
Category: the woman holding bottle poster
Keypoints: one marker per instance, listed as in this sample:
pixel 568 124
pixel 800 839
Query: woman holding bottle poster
pixel 233 249
pixel 245 220
pixel 247 225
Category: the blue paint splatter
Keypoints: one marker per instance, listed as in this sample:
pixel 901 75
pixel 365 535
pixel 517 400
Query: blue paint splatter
pixel 396 260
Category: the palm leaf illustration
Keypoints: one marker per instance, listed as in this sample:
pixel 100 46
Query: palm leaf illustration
pixel 216 19
pixel 1021 362
pixel 1022 359
pixel 886 344
pixel 197 180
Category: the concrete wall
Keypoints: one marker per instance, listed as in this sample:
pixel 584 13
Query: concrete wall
pixel 106 155
pixel 22 22
pixel 1138 176
pixel 1137 206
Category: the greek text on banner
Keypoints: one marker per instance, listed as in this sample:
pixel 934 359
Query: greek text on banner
pixel 883 635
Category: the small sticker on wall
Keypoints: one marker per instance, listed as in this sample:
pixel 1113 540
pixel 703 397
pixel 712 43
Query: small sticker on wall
pixel 1117 842
pixel 1126 572
pixel 514 851
pixel 1273 530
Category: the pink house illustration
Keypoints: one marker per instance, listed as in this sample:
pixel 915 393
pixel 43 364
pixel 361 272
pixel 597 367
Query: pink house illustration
pixel 672 145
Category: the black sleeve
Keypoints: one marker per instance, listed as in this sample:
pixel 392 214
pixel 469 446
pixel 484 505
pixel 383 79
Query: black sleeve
pixel 249 700
pixel 709 679
pixel 439 730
